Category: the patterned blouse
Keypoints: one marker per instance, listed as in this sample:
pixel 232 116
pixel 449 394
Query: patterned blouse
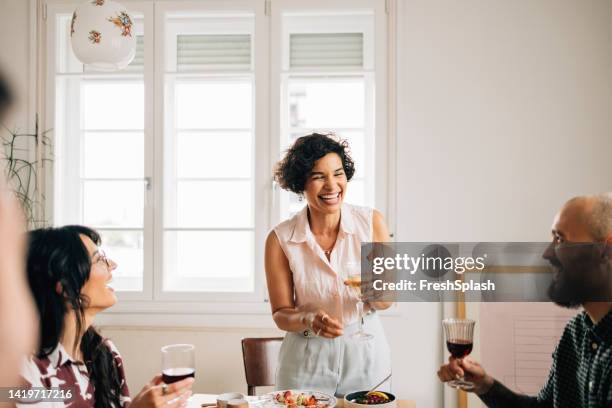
pixel 60 370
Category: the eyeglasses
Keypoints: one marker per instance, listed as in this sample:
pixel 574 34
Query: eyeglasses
pixel 102 258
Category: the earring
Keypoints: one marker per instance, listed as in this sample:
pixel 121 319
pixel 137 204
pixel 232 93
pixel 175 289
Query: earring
pixel 301 197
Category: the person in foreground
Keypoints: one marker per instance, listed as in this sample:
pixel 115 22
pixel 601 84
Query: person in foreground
pixel 18 320
pixel 68 276
pixel 307 260
pixel 581 372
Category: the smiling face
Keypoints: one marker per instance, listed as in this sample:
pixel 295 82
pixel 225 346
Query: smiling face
pixel 579 273
pixel 326 185
pixel 100 295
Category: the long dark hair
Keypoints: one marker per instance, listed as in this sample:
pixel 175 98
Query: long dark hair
pixel 58 255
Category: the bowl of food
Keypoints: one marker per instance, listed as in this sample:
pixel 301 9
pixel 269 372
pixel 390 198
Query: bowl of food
pixel 364 399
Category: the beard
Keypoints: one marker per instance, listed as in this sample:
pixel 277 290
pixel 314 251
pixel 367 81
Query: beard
pixel 565 291
pixel 578 280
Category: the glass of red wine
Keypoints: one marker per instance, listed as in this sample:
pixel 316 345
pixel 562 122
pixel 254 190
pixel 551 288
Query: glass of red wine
pixel 459 335
pixel 178 362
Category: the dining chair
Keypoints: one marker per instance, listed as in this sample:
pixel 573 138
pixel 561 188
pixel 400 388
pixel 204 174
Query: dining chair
pixel 260 356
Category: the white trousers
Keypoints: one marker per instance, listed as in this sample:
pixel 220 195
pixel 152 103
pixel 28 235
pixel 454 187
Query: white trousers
pixel 335 366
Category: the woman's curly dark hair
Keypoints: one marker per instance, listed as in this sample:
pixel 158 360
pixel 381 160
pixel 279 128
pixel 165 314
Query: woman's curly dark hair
pixel 294 169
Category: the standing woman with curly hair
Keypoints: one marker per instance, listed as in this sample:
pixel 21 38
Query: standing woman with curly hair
pixel 307 260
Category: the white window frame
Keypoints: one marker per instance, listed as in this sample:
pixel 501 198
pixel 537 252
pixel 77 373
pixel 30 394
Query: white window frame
pixel 147 306
pixel 261 222
pixel 145 8
pixel 279 64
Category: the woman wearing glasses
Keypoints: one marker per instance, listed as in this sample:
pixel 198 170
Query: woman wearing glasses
pixel 68 276
pixel 308 258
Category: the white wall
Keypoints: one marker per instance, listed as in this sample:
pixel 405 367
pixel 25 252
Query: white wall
pixel 218 354
pixel 15 58
pixel 505 110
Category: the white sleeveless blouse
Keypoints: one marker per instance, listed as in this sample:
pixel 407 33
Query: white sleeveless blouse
pixel 317 281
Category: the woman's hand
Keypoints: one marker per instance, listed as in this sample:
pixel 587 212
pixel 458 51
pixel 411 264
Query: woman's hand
pixel 153 394
pixel 322 324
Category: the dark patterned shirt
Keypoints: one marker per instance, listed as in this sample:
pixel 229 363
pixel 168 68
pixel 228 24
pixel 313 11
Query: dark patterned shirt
pixel 60 370
pixel 581 372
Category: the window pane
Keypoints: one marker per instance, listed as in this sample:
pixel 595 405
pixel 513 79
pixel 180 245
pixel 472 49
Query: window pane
pixel 113 203
pixel 218 155
pixel 208 166
pixel 214 204
pixel 137 64
pixel 213 104
pixel 113 155
pixel 207 261
pixel 356 141
pixel 319 104
pixel 355 193
pixel 109 104
pixel 126 249
pixel 295 204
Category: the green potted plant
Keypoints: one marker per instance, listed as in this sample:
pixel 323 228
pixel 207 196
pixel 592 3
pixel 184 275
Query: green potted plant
pixel 23 174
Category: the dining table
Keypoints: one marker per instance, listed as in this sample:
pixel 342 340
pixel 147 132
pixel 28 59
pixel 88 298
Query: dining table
pixel 197 400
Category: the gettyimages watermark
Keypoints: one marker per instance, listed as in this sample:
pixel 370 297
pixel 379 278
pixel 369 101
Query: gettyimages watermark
pixel 486 272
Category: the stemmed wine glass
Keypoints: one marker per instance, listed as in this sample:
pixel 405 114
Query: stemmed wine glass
pixel 178 362
pixel 353 281
pixel 459 342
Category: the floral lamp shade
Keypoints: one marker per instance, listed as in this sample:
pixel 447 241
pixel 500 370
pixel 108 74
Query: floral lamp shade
pixel 102 36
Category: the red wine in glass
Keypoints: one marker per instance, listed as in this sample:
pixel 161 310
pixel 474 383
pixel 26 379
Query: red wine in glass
pixel 178 362
pixel 172 375
pixel 459 348
pixel 459 335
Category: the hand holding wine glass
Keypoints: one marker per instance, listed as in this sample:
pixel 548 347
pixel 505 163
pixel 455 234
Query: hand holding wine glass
pixel 156 394
pixel 468 369
pixel 178 362
pixel 459 335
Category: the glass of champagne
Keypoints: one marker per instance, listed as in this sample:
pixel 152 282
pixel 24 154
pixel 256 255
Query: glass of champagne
pixel 459 335
pixel 178 362
pixel 353 281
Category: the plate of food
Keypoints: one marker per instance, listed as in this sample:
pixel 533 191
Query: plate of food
pixel 301 399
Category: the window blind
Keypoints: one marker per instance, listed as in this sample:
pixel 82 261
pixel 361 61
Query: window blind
pixel 326 50
pixel 213 51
